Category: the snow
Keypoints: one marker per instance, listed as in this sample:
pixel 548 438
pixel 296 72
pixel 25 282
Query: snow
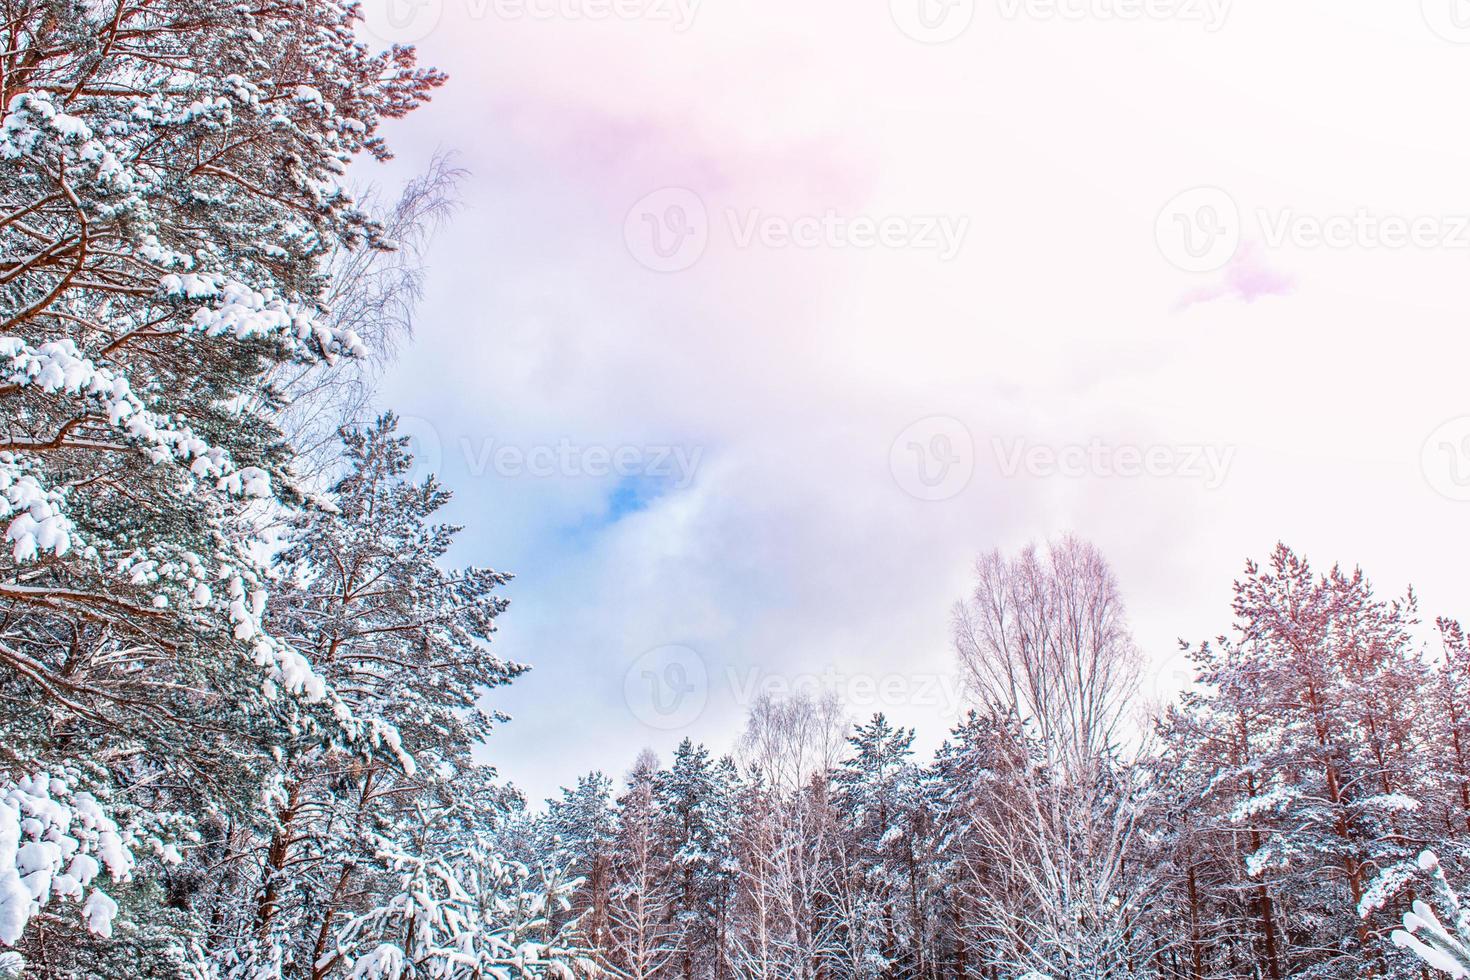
pixel 1384 887
pixel 59 367
pixel 1425 937
pixel 37 523
pixel 53 844
pixel 1264 803
pixel 98 913
pixel 1394 802
pixel 1435 958
pixel 383 963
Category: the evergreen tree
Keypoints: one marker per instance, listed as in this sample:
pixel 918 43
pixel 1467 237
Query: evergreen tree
pixel 1304 738
pixel 170 184
pixel 879 793
pixel 583 827
pixel 406 642
pixel 695 799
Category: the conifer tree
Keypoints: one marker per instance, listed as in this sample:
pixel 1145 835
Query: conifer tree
pixel 695 800
pixel 170 188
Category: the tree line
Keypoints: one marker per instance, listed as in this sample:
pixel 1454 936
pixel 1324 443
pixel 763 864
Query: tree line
pixel 1266 825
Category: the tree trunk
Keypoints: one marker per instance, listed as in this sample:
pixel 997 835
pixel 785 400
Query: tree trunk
pixel 275 863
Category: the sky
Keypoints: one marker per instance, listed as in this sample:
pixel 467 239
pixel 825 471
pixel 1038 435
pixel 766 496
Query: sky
pixel 762 319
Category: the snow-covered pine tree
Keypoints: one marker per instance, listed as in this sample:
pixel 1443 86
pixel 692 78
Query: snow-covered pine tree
pixel 450 905
pixel 169 188
pixel 364 592
pixel 879 795
pixel 1446 738
pixel 583 829
pixel 1305 735
pixel 1205 923
pixel 695 801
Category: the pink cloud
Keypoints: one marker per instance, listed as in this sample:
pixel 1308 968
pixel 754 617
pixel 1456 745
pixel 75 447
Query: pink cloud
pixel 1247 277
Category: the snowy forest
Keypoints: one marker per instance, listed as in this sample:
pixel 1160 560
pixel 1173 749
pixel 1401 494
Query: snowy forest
pixel 241 683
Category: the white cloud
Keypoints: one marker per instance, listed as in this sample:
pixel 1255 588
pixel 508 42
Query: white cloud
pixel 794 369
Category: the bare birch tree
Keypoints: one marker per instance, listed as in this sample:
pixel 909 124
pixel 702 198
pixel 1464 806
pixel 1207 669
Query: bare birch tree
pixel 789 750
pixel 1044 644
pixel 374 292
pixel 644 938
